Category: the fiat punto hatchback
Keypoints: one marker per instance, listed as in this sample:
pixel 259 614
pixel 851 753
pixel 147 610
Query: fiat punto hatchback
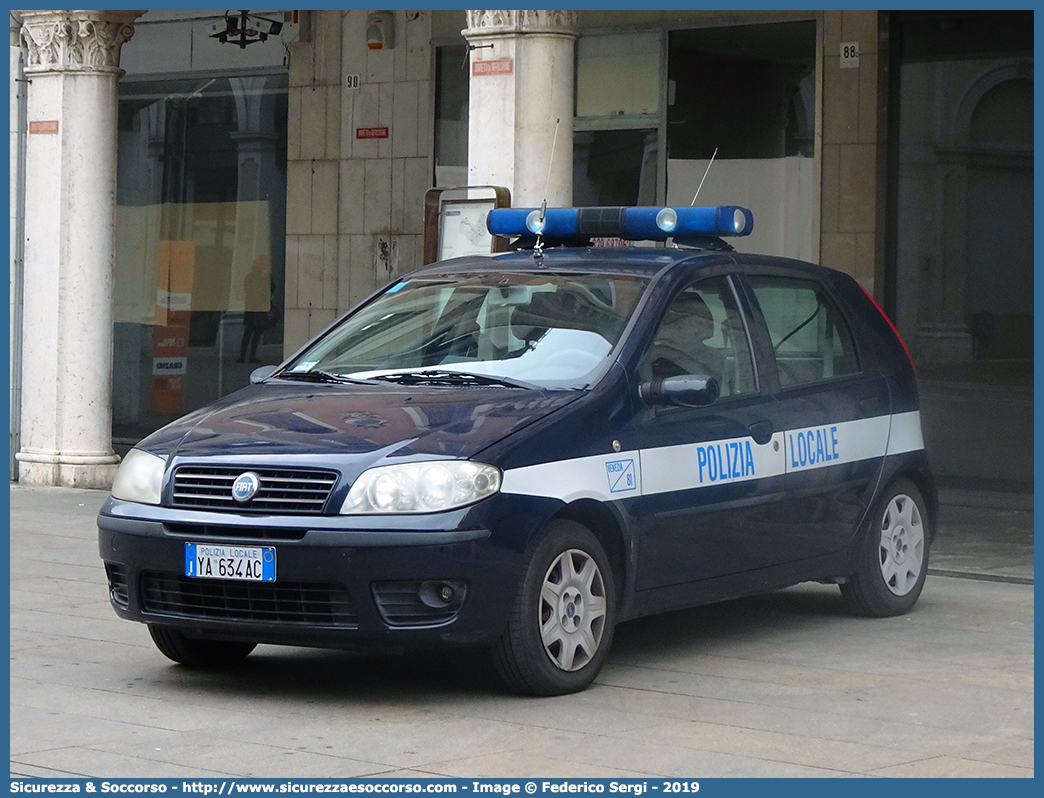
pixel 520 451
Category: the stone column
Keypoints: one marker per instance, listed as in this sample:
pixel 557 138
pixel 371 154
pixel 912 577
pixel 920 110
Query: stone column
pixel 73 68
pixel 522 76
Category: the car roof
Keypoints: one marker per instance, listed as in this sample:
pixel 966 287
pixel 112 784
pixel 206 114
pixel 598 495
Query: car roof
pixel 629 260
pixel 638 261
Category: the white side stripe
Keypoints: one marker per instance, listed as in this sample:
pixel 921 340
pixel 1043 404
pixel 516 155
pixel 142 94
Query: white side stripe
pixel 906 433
pixel 832 444
pixel 698 465
pixel 601 477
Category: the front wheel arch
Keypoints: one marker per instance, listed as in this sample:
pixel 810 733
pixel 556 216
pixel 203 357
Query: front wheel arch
pixel 604 525
pixel 562 618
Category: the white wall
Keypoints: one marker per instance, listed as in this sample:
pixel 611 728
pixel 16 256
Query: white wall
pixel 779 191
pixel 355 205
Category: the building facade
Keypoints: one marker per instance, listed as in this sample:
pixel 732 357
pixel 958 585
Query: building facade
pixel 184 207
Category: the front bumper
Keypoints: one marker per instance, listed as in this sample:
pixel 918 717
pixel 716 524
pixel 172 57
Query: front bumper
pixel 340 582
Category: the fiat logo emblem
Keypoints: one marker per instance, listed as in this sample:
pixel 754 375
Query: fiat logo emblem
pixel 246 486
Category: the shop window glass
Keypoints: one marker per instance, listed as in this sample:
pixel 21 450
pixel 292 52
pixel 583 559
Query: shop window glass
pixel 618 74
pixel 200 243
pixel 614 167
pixel 960 264
pixel 741 100
pixel 747 91
pixel 452 95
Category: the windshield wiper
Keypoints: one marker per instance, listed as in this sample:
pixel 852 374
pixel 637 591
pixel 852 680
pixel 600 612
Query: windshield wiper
pixel 320 376
pixel 452 378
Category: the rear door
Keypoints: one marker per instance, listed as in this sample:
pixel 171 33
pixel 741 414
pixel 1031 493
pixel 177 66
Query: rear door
pixel 833 412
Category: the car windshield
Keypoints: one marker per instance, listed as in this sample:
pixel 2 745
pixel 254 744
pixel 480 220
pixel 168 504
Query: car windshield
pixel 545 330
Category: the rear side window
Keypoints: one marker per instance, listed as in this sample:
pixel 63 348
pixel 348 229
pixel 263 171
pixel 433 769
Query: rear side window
pixel 810 336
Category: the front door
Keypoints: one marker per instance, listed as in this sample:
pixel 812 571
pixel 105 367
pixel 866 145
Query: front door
pixel 712 477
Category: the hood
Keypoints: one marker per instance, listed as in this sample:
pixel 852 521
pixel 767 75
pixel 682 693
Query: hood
pixel 354 422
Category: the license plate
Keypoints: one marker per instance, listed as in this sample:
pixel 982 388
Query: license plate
pixel 245 563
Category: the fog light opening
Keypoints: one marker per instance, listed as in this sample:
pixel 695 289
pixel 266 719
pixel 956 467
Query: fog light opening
pixel 440 595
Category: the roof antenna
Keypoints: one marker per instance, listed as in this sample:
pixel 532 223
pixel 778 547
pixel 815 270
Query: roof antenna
pixel 700 186
pixel 538 247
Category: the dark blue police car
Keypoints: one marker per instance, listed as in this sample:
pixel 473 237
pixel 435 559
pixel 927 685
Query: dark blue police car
pixel 522 450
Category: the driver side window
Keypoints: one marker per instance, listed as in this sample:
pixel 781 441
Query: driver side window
pixel 703 333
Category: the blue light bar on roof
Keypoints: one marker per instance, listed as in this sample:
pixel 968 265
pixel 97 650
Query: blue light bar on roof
pixel 633 224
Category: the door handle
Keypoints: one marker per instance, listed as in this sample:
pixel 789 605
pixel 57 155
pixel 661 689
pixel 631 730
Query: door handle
pixel 761 432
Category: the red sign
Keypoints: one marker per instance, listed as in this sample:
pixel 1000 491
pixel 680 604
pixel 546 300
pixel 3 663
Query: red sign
pixel 504 67
pixel 371 132
pixel 48 126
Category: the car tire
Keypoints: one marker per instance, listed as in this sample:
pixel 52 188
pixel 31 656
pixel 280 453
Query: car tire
pixel 175 645
pixel 561 624
pixel 893 560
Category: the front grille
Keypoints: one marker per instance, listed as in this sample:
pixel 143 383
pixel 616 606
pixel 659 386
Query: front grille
pixel 118 591
pixel 282 491
pixel 312 603
pixel 417 603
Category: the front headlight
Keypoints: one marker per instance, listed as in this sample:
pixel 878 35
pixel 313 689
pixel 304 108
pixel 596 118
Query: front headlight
pixel 421 487
pixel 140 478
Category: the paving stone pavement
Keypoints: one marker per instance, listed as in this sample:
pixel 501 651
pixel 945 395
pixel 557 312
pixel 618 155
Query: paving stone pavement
pixel 783 685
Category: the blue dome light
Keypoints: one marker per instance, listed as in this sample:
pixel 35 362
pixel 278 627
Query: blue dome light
pixel 629 223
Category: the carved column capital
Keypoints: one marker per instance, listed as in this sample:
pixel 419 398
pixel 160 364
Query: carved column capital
pixel 514 22
pixel 76 41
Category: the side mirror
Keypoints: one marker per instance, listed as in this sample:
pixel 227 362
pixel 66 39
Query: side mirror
pixel 685 390
pixel 261 373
